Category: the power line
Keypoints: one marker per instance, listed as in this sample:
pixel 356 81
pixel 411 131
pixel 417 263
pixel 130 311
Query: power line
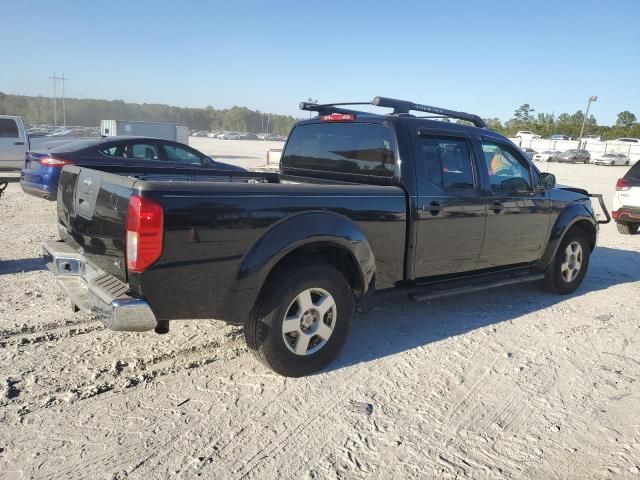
pixel 55 99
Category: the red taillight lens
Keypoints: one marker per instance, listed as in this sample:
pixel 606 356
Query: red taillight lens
pixel 144 233
pixel 615 215
pixel 622 184
pixel 338 117
pixel 54 162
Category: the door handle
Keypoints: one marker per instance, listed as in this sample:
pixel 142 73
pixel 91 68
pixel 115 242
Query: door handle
pixel 19 143
pixel 496 206
pixel 434 208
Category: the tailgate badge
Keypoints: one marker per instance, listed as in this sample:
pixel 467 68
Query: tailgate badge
pixel 117 263
pixel 87 182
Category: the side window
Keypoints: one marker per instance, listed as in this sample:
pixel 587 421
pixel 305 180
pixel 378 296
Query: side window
pixel 142 151
pixel 110 151
pixel 8 128
pixel 181 155
pixel 507 172
pixel 447 162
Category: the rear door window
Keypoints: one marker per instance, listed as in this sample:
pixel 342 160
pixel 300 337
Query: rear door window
pixel 8 128
pixel 345 148
pixel 447 162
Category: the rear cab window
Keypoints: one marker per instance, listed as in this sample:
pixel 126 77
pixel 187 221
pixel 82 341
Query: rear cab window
pixel 8 128
pixel 350 149
pixel 446 162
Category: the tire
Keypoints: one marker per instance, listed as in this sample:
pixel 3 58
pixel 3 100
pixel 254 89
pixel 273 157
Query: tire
pixel 627 228
pixel 626 164
pixel 560 279
pixel 278 346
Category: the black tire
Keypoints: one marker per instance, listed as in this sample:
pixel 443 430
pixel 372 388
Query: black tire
pixel 626 164
pixel 555 281
pixel 264 330
pixel 627 228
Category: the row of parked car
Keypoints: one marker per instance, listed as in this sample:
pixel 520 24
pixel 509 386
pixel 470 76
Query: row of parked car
pixel 237 135
pixel 528 135
pixel 578 156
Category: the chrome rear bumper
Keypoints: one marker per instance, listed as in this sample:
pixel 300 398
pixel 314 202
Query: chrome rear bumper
pixel 96 292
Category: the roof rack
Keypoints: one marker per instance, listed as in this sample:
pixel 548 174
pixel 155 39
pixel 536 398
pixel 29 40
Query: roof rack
pixel 399 107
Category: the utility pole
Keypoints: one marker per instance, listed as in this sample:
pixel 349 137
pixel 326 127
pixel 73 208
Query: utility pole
pixel 55 100
pixel 592 98
pixel 55 110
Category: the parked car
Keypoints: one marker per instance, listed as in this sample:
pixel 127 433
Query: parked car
pixel 560 137
pixel 229 136
pixel 592 138
pixel 529 152
pixel 626 202
pixel 41 171
pixel 612 159
pixel 288 255
pixel 526 135
pixel 573 156
pixel 627 140
pixel 546 155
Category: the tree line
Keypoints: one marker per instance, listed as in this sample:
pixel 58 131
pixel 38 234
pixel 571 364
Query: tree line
pixel 545 124
pixel 88 112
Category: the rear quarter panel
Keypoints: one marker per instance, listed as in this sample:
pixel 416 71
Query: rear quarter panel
pixel 209 234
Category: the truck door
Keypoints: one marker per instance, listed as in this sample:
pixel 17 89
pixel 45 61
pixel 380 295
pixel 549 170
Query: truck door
pixel 517 213
pixel 12 144
pixel 451 206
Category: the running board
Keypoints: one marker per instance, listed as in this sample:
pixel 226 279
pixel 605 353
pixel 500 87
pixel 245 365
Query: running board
pixel 432 294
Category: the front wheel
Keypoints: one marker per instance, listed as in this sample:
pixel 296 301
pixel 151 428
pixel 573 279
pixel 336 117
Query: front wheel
pixel 302 319
pixel 570 264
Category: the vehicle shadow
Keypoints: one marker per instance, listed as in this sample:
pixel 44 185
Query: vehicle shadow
pixel 391 323
pixel 21 265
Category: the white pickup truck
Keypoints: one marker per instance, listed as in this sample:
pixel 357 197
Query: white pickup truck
pixel 14 142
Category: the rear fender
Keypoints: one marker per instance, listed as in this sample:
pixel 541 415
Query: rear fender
pixel 284 238
pixel 570 216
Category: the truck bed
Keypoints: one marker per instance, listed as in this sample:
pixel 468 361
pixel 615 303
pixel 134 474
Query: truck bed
pixel 218 229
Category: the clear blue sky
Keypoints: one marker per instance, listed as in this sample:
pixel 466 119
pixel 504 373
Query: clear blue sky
pixel 487 56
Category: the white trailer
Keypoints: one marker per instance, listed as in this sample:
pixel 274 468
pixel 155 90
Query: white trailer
pixel 167 131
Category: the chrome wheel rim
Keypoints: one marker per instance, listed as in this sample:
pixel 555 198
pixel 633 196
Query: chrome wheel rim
pixel 309 321
pixel 572 262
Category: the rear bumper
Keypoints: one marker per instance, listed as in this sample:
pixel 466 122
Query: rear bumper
pixel 37 190
pixel 627 215
pixel 96 292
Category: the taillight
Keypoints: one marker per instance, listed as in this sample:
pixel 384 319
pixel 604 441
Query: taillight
pixel 338 117
pixel 54 162
pixel 615 215
pixel 622 184
pixel 144 233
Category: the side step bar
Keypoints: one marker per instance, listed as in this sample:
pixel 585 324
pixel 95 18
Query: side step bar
pixel 432 293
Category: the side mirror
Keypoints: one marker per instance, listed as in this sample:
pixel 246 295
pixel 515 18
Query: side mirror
pixel 206 161
pixel 547 181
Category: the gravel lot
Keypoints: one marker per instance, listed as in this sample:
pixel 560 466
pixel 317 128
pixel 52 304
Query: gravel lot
pixel 513 383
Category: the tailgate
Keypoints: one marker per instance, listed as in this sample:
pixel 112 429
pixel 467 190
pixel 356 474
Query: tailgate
pixel 92 212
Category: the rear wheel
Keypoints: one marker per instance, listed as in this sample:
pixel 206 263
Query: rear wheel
pixel 302 319
pixel 628 228
pixel 570 264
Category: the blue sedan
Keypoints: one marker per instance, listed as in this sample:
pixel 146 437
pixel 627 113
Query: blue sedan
pixel 41 171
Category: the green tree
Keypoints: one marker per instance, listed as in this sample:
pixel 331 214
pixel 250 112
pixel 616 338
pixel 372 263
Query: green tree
pixel 524 114
pixel 625 119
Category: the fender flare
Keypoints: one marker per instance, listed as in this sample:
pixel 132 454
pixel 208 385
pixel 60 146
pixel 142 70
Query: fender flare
pixel 571 215
pixel 285 237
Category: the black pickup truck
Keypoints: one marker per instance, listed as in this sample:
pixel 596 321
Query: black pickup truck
pixel 363 202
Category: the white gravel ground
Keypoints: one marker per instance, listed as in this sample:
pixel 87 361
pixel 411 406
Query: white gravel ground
pixel 513 383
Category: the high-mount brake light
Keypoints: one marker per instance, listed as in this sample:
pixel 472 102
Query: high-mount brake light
pixel 54 162
pixel 338 117
pixel 622 184
pixel 144 233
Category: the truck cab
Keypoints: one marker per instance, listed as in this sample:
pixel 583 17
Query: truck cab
pixel 14 142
